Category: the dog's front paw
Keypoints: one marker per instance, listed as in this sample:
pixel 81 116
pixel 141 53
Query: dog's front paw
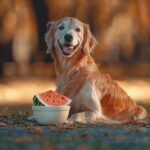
pixel 77 118
pixel 69 122
pixel 84 117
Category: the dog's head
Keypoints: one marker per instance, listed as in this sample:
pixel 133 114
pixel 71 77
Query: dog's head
pixel 69 35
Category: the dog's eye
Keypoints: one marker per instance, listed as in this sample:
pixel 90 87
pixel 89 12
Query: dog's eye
pixel 78 29
pixel 61 27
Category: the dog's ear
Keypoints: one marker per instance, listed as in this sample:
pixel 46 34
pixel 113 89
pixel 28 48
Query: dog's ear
pixel 89 41
pixel 49 37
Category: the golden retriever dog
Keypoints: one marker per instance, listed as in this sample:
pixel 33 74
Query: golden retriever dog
pixel 96 97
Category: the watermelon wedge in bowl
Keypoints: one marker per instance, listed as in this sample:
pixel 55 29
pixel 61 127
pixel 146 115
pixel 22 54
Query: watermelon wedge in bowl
pixel 51 98
pixel 51 107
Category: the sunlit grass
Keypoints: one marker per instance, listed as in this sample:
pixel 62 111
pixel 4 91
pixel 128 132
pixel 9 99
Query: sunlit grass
pixel 22 90
pixel 139 90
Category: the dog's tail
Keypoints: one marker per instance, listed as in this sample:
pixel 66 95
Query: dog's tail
pixel 135 116
pixel 140 113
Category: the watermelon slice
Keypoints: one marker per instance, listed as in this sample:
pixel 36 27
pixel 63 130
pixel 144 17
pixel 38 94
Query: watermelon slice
pixel 50 98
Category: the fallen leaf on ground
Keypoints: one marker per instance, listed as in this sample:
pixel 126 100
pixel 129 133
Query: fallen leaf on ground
pixel 86 135
pixel 105 133
pixel 70 126
pixel 23 139
pixel 36 130
pixel 47 146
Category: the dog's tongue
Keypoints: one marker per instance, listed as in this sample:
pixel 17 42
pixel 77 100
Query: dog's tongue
pixel 68 48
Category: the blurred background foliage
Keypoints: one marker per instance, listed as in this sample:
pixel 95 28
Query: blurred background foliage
pixel 122 28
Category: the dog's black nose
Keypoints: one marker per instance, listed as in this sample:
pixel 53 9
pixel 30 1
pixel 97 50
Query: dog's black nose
pixel 68 37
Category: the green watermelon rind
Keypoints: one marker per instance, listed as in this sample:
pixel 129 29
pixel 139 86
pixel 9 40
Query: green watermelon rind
pixel 40 102
pixel 37 102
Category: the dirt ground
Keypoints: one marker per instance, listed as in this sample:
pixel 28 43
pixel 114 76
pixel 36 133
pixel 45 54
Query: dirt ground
pixel 17 133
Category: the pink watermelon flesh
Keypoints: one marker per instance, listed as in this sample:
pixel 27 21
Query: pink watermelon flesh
pixel 51 98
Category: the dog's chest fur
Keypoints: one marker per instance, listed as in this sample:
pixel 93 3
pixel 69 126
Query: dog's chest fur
pixel 83 93
pixel 77 83
pixel 87 97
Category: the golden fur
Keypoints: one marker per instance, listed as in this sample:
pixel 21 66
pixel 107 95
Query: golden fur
pixel 96 97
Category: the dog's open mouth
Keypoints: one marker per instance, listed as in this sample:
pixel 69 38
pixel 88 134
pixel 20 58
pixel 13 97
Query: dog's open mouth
pixel 68 49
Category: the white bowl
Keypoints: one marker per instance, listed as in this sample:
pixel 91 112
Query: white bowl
pixel 50 114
